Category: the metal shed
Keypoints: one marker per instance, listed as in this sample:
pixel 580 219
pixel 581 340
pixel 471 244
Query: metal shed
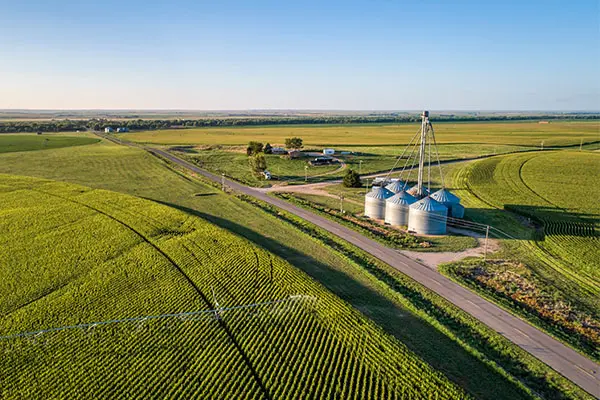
pixel 397 208
pixel 427 217
pixel 375 202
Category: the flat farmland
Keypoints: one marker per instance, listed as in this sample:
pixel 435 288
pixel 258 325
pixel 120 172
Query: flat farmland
pixel 555 133
pixel 16 143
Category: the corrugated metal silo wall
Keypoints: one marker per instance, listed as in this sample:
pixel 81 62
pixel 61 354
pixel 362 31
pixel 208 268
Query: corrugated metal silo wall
pixel 374 208
pixel 396 214
pixel 426 222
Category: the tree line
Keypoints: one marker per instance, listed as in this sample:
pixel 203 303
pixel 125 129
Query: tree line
pixel 152 124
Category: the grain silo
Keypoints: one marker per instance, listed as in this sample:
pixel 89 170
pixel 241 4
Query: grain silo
pixel 427 217
pixel 447 198
pixel 458 211
pixel 397 207
pixel 413 191
pixel 375 202
pixel 397 186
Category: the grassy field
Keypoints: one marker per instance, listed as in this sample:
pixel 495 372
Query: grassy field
pixel 424 326
pixel 373 147
pixel 555 133
pixel 234 164
pixel 559 190
pixel 115 256
pixel 14 143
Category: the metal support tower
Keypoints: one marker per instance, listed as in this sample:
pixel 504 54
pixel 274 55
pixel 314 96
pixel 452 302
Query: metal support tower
pixel 424 126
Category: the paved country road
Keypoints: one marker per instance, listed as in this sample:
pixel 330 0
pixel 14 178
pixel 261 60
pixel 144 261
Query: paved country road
pixel 574 366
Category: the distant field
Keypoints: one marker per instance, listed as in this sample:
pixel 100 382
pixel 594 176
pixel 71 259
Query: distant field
pixel 555 133
pixel 115 256
pixel 12 143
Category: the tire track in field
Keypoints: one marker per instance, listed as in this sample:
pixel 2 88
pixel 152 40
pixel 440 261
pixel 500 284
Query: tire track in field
pixel 221 322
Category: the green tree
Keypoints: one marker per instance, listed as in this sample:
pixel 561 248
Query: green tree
pixel 352 179
pixel 293 143
pixel 254 148
pixel 258 163
pixel 268 148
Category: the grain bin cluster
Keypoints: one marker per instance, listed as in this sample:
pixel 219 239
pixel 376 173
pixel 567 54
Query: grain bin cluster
pixel 398 207
pixel 415 206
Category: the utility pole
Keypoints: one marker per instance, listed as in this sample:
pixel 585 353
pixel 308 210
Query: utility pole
pixel 542 145
pixel 487 234
pixel 360 167
pixel 305 173
pixel 342 203
pixel 223 182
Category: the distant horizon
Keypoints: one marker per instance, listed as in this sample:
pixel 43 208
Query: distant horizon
pixel 306 55
pixel 557 111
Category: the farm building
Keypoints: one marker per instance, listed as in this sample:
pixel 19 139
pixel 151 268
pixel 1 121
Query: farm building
pixel 108 129
pixel 122 129
pixel 328 152
pixel 278 150
pixel 294 154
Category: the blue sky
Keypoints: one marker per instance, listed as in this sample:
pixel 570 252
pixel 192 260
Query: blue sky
pixel 375 55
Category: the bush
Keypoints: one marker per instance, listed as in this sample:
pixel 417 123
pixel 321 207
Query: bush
pixel 268 148
pixel 352 179
pixel 258 163
pixel 293 143
pixel 254 148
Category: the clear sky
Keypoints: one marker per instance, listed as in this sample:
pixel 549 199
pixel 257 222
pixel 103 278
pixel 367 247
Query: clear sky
pixel 360 55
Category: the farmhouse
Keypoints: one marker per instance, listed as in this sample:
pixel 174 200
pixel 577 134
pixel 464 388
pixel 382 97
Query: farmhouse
pixel 278 150
pixel 294 154
pixel 108 129
pixel 328 152
pixel 122 129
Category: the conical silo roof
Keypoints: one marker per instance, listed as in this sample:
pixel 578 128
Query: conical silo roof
pixel 413 190
pixel 445 196
pixel 401 198
pixel 380 193
pixel 396 186
pixel 430 205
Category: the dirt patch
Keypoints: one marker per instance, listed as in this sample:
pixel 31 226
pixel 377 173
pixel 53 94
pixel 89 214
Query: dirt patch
pixel 432 260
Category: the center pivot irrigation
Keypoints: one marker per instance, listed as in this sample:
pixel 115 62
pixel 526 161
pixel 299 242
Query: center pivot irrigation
pixel 184 315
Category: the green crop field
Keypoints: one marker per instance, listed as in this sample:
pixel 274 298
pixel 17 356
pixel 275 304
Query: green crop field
pixel 559 190
pixel 555 133
pixel 116 256
pixel 15 143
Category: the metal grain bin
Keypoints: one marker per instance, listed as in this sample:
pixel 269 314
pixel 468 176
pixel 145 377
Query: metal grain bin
pixel 396 208
pixel 413 190
pixel 458 211
pixel 427 217
pixel 447 198
pixel 397 186
pixel 375 202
